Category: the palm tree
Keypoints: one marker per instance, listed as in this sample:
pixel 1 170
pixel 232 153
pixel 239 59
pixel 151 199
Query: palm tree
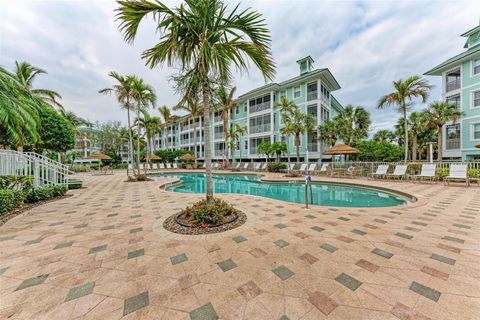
pixel 144 96
pixel 298 123
pixel 226 104
pixel 124 91
pixel 26 74
pixel 355 125
pixel 438 114
pixel 194 110
pixel 202 37
pixel 384 136
pixel 239 133
pixel 19 117
pixel 405 91
pixel 168 120
pixel 150 125
pixel 417 121
pixel 285 106
pixel 329 131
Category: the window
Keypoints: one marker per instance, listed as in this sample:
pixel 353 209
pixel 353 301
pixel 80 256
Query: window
pixel 245 108
pixel 454 100
pixel 325 92
pixel 237 110
pixel 312 111
pixel 452 137
pixel 283 93
pixel 476 99
pixel 324 114
pixel 245 145
pixel 452 80
pixel 219 134
pixel 476 131
pixel 296 92
pixel 476 66
pixel 260 124
pixel 260 103
pixel 312 91
pixel 254 142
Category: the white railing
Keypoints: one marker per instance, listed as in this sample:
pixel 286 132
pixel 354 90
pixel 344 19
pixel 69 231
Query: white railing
pixel 44 170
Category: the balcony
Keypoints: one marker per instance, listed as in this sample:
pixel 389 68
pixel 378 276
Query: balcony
pixel 312 147
pixel 452 144
pixel 219 135
pixel 259 107
pixel 217 118
pixel 260 128
pixel 313 95
pixel 453 84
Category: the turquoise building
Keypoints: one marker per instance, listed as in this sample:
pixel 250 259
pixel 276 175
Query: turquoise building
pixel 311 90
pixel 461 86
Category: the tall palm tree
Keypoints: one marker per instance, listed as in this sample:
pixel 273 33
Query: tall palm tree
pixel 329 131
pixel 151 126
pixel 405 91
pixel 417 121
pixel 168 120
pixel 355 125
pixel 285 106
pixel 438 114
pixel 240 132
pixel 226 104
pixel 26 74
pixel 194 110
pixel 298 123
pixel 124 92
pixel 19 119
pixel 204 38
pixel 144 97
pixel 384 136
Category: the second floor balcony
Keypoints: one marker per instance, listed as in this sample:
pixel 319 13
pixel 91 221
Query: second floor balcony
pixel 452 144
pixel 453 84
pixel 260 128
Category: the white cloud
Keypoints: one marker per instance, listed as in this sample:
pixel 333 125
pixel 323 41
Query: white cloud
pixel 366 45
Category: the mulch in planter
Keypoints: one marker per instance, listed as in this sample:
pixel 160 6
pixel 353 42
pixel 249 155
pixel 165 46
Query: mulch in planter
pixel 180 224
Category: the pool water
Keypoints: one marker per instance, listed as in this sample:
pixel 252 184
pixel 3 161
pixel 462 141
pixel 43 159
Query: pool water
pixel 328 194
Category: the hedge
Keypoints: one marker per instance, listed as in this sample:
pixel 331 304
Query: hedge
pixel 45 193
pixel 10 200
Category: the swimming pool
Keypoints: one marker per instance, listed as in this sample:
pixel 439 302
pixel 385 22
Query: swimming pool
pixel 324 194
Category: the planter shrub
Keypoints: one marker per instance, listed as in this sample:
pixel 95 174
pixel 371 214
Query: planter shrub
pixel 16 182
pixel 10 200
pixel 276 167
pixel 45 193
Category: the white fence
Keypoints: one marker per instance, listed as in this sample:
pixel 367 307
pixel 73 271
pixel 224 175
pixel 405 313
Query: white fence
pixel 44 170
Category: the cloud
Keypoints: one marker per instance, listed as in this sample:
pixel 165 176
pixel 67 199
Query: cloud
pixel 366 45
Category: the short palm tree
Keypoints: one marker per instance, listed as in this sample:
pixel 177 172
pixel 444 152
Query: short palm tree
pixel 285 106
pixel 225 105
pixel 202 37
pixel 329 131
pixel 167 122
pixel 355 125
pixel 151 126
pixel 417 121
pixel 405 91
pixel 239 133
pixel 298 123
pixel 437 115
pixel 124 92
pixel 26 74
pixel 194 110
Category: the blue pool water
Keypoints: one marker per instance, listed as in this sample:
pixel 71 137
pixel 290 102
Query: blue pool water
pixel 335 195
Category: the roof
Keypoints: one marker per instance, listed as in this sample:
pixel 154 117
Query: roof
pixel 341 149
pixel 336 103
pixel 471 31
pixel 306 58
pixel 459 58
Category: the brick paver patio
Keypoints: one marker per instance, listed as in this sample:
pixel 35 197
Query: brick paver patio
pixel 103 254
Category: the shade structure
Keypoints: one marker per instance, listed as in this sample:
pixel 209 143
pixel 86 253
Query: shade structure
pixel 187 157
pixel 99 156
pixel 340 149
pixel 477 146
pixel 153 157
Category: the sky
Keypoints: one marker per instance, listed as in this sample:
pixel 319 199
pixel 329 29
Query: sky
pixel 365 44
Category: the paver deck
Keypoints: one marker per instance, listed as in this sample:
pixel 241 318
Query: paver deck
pixel 103 254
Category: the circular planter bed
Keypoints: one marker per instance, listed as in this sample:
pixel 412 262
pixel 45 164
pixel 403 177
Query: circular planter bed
pixel 183 224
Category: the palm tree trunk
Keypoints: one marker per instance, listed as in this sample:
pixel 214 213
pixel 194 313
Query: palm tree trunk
pixel 138 140
pixel 208 147
pixel 240 144
pixel 225 124
pixel 439 143
pixel 288 154
pixel 297 146
pixel 195 139
pixel 414 147
pixel 405 127
pixel 130 139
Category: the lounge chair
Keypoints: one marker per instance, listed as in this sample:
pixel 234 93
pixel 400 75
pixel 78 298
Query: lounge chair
pixel 427 172
pixel 161 166
pixel 168 166
pixel 175 166
pixel 256 167
pixel 311 168
pixel 303 168
pixel 264 167
pixel 245 166
pixel 381 171
pixel 204 165
pixel 399 172
pixel 324 169
pixel 458 172
pixel 237 167
pixel 289 168
pixel 351 172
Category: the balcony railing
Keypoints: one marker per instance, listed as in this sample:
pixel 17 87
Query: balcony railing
pixel 260 128
pixel 312 147
pixel 259 107
pixel 219 135
pixel 217 119
pixel 476 102
pixel 476 70
pixel 312 95
pixel 452 144
pixel 453 84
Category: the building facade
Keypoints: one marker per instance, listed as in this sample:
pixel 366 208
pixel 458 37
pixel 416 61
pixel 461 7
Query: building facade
pixel 461 86
pixel 311 91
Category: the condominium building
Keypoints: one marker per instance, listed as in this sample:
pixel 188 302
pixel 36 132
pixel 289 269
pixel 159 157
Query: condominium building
pixel 461 86
pixel 311 91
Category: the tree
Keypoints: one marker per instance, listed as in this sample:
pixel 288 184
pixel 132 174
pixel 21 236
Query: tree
pixel 265 147
pixel 124 92
pixel 26 74
pixel 144 96
pixel 298 123
pixel 226 104
pixel 19 119
pixel 168 121
pixel 240 132
pixel 417 121
pixel 329 131
pixel 151 126
pixel 202 37
pixel 194 109
pixel 378 151
pixel 354 125
pixel 278 149
pixel 285 106
pixel 384 136
pixel 405 91
pixel 438 114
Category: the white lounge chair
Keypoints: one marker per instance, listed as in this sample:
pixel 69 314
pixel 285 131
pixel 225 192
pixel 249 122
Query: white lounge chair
pixel 256 167
pixel 175 166
pixel 457 172
pixel 245 166
pixel 161 166
pixel 289 168
pixel 351 172
pixel 311 168
pixel 204 165
pixel 237 166
pixel 168 166
pixel 324 168
pixel 303 168
pixel 427 172
pixel 399 172
pixel 264 166
pixel 381 171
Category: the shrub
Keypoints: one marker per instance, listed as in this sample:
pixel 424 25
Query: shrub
pixel 45 193
pixel 474 173
pixel 142 177
pixel 96 166
pixel 120 166
pixel 276 167
pixel 209 214
pixel 78 168
pixel 441 172
pixel 379 151
pixel 10 200
pixel 16 182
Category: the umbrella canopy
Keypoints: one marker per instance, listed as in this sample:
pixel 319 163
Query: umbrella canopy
pixel 99 156
pixel 153 157
pixel 339 149
pixel 477 146
pixel 187 157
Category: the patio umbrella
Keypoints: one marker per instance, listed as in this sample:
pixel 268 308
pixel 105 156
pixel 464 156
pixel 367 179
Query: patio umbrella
pixel 340 149
pixel 477 146
pixel 187 157
pixel 153 156
pixel 99 156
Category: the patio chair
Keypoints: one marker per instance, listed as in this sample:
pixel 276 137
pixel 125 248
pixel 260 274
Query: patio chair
pixel 399 172
pixel 264 167
pixel 303 168
pixel 311 168
pixel 427 172
pixel 245 166
pixel 458 172
pixel 256 167
pixel 323 169
pixel 351 172
pixel 204 165
pixel 175 166
pixel 289 168
pixel 380 173
pixel 237 167
pixel 168 166
pixel 161 166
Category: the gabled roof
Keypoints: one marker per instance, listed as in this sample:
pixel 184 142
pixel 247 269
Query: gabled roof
pixel 450 63
pixel 471 31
